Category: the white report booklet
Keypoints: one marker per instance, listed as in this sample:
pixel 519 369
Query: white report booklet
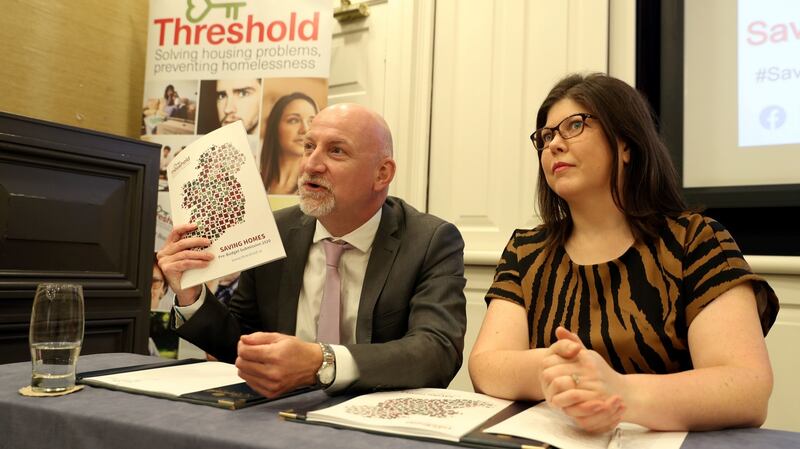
pixel 215 184
pixel 174 380
pixel 551 426
pixel 423 412
pixel 476 420
pixel 196 381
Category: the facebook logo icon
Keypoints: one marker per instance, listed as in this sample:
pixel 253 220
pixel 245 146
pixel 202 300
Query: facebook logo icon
pixel 772 117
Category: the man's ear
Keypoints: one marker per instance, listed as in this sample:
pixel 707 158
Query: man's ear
pixel 385 174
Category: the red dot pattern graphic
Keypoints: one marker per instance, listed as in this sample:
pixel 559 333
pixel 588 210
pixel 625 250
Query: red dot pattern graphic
pixel 404 407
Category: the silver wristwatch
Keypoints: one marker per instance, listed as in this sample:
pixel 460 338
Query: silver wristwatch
pixel 327 371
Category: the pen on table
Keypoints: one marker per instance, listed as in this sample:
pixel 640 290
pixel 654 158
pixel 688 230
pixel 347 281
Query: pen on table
pixel 616 439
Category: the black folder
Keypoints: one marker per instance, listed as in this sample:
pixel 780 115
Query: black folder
pixel 230 397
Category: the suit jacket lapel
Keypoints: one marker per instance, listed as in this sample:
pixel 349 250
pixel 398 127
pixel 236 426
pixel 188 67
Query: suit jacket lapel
pixel 297 248
pixel 384 251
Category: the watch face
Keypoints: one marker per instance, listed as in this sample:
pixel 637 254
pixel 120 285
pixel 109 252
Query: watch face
pixel 327 372
pixel 326 375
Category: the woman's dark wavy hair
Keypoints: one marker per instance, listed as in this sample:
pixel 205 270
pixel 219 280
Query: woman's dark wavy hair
pixel 171 100
pixel 650 187
pixel 271 149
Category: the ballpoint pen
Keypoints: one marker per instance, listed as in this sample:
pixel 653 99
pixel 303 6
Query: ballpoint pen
pixel 616 439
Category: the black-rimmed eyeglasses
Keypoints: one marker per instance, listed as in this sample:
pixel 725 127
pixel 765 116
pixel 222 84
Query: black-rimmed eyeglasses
pixel 568 128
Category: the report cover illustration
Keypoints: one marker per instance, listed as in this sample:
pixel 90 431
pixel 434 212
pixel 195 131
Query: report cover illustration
pixel 214 183
pixel 423 412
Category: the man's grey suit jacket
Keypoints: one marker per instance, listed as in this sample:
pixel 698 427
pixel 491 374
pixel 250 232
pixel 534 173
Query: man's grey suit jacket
pixel 411 315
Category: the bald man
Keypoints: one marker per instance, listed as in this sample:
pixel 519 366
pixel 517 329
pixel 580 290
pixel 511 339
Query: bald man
pixel 402 307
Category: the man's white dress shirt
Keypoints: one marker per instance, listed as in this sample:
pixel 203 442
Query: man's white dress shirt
pixel 352 268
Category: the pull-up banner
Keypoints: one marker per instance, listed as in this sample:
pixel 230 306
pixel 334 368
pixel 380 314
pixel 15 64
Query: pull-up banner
pixel 214 62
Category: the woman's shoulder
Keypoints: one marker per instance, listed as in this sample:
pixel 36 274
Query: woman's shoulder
pixel 524 245
pixel 539 233
pixel 695 217
pixel 528 240
pixel 691 225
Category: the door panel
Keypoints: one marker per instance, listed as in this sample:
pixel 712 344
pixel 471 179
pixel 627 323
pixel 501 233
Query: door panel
pixel 358 55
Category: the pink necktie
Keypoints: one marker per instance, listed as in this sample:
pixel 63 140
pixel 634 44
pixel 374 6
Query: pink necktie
pixel 328 324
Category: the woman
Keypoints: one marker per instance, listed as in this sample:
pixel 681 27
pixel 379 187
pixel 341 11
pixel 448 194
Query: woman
pixel 157 110
pixel 286 127
pixel 171 101
pixel 622 305
pixel 158 288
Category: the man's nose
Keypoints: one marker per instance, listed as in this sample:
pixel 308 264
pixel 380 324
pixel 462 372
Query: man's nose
pixel 230 105
pixel 314 162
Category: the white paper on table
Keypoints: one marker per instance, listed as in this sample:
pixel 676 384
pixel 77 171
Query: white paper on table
pixel 215 184
pixel 551 426
pixel 175 380
pixel 638 437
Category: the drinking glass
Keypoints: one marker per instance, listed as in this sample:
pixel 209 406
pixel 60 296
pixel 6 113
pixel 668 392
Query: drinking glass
pixel 56 335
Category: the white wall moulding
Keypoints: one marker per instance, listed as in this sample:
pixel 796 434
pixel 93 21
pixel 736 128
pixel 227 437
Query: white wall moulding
pixel 774 264
pixel 622 40
pixel 385 61
pixel 494 63
pixel 409 82
pixel 482 258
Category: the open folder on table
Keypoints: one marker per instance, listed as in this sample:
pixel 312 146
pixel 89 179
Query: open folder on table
pixel 430 414
pixel 192 380
pixel 475 420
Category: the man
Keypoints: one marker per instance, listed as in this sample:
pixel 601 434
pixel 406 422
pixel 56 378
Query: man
pixel 402 307
pixel 224 287
pixel 157 288
pixel 239 99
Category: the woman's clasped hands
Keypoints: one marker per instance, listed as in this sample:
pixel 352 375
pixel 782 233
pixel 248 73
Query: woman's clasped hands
pixel 579 382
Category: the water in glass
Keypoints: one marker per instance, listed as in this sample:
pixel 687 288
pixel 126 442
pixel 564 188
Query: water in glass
pixel 54 365
pixel 56 334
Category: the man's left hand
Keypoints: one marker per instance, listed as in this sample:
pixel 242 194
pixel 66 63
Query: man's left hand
pixel 274 364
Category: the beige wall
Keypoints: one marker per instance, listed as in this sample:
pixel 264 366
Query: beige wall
pixel 77 62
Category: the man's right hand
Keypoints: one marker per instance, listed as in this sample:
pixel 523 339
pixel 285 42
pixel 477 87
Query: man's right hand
pixel 179 255
pixel 274 364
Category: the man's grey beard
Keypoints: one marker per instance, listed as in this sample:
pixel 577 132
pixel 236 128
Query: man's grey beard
pixel 315 204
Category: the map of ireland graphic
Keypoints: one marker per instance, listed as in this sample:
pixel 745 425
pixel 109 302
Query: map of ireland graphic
pixel 215 197
pixel 404 407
